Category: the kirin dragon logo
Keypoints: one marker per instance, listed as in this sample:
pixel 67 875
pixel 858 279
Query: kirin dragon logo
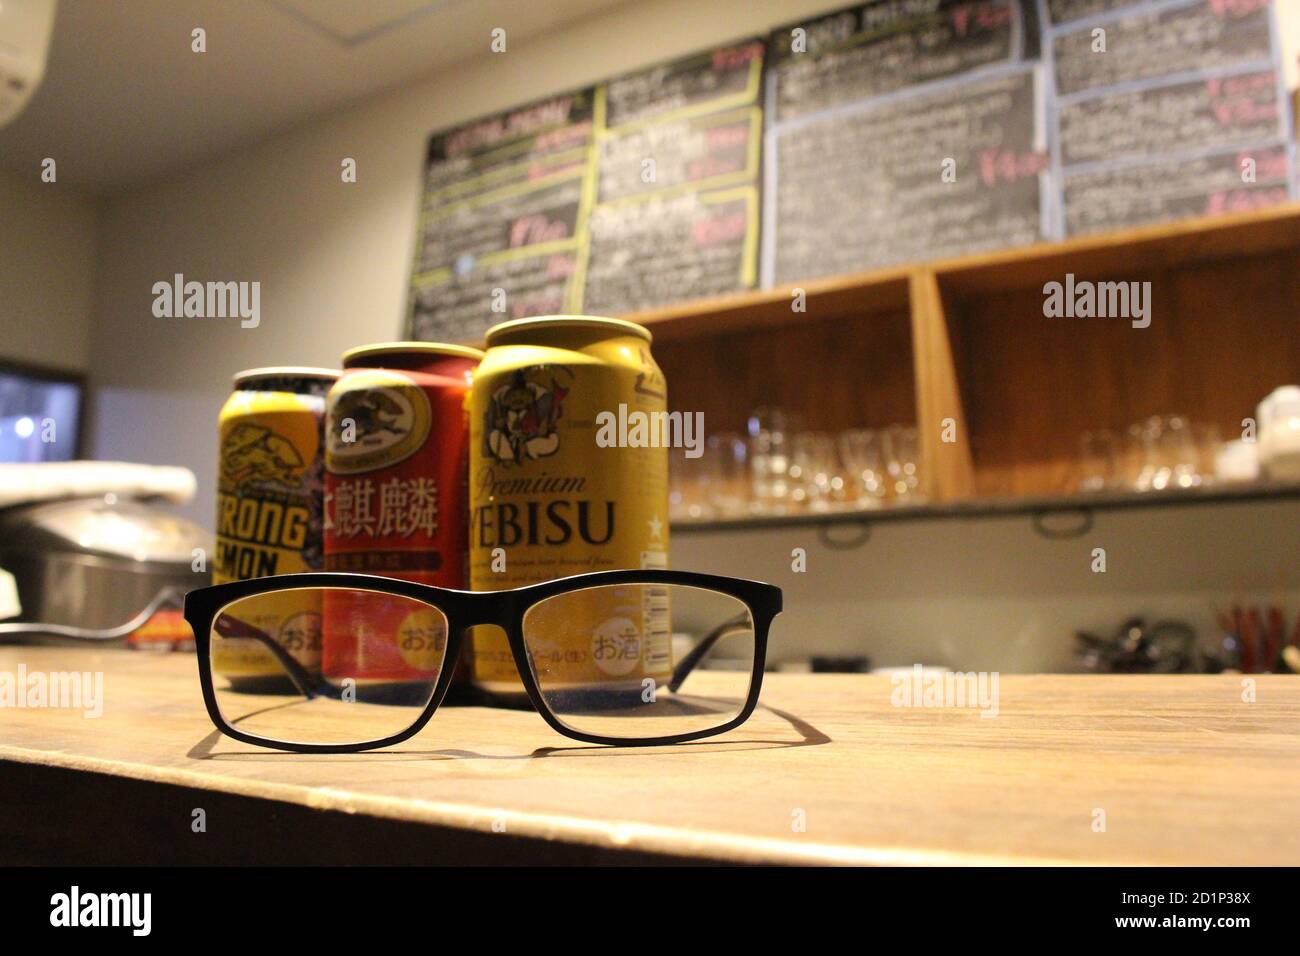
pixel 374 413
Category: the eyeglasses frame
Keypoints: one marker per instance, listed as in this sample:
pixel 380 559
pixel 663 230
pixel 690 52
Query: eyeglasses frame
pixel 505 609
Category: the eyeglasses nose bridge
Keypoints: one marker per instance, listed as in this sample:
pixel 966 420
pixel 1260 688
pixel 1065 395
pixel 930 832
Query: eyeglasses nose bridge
pixel 489 608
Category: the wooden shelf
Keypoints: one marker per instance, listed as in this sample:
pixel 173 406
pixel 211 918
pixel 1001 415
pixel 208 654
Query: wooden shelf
pixel 1160 246
pixel 865 293
pixel 1003 507
pixel 963 342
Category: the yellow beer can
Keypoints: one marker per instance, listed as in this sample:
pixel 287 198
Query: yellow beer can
pixel 270 503
pixel 547 499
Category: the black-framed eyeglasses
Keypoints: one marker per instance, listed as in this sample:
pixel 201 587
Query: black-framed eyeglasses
pixel 337 663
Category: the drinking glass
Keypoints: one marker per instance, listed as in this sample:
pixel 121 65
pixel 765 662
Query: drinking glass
pixel 727 469
pixel 902 451
pixel 770 430
pixel 1178 453
pixel 1207 441
pixel 688 488
pixel 814 475
pixel 863 454
pixel 1144 437
pixel 1136 458
pixel 1099 451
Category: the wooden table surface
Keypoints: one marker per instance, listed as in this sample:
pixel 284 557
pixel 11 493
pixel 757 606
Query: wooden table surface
pixel 828 771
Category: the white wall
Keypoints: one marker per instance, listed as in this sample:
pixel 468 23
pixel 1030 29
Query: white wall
pixel 334 259
pixel 990 594
pixel 47 272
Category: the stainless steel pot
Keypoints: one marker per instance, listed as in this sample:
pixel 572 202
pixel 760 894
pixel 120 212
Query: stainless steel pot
pixel 96 563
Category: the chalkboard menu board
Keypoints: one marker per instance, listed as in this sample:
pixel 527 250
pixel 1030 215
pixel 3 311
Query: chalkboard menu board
pixel 902 132
pixel 890 131
pixel 1185 116
pixel 1145 91
pixel 866 187
pixel 1165 42
pixel 1063 11
pixel 878 48
pixel 1175 189
pixel 504 206
pixel 676 214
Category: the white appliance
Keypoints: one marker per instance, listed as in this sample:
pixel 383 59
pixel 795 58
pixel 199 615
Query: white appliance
pixel 1279 433
pixel 25 27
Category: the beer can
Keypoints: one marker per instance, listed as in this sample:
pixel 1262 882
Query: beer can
pixel 270 489
pixel 396 463
pixel 547 500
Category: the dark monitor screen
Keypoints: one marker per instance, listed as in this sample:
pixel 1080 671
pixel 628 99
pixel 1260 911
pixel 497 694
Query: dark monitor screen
pixel 40 414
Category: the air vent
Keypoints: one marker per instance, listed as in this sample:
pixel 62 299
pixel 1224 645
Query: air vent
pixel 350 23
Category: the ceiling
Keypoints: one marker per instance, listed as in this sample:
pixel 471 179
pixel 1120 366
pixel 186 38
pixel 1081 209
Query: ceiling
pixel 126 100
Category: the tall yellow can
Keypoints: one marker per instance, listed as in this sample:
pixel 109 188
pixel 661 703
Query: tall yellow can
pixel 270 502
pixel 548 499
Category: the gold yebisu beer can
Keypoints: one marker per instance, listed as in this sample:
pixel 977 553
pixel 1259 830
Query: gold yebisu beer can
pixel 548 500
pixel 270 498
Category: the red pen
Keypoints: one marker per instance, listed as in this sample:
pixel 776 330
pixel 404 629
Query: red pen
pixel 1276 636
pixel 1245 639
pixel 1255 624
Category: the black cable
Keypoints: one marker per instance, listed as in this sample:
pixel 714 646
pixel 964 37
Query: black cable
pixel 169 595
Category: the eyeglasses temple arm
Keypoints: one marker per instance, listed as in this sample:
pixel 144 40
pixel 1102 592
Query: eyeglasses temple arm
pixel 232 627
pixel 741 622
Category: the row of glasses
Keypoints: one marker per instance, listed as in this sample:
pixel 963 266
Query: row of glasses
pixel 780 468
pixel 882 464
pixel 1158 453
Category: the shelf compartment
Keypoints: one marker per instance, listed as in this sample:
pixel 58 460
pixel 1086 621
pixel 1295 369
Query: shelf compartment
pixel 833 370
pixel 1223 334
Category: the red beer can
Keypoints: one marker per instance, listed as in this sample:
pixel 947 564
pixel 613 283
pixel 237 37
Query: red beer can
pixel 396 503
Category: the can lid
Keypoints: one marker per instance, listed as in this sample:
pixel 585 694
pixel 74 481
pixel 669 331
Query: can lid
pixel 285 371
pixel 539 322
pixel 411 348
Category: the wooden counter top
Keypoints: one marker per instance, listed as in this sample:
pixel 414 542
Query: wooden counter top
pixel 1184 770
